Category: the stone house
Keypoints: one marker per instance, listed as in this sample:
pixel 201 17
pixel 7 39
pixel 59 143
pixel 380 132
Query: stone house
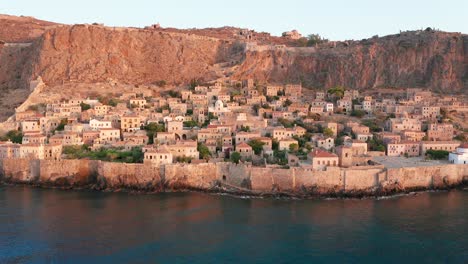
pixel 164 138
pixel 358 147
pixel 364 136
pixel 441 132
pixel 130 123
pixel 158 157
pixel 329 107
pixel 439 145
pixel 326 143
pixel 272 90
pixel 293 90
pixel 285 143
pixel 34 138
pixel 387 137
pixel 108 136
pixel 72 139
pixel 321 159
pixel 90 136
pixel 403 148
pixel 184 148
pixel 345 104
pixel 100 109
pixel 431 111
pixel 360 129
pixel 411 135
pixel 245 137
pixel 397 125
pixel 31 126
pixel 95 124
pixel 245 150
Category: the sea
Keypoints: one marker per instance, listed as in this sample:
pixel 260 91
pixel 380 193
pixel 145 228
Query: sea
pixel 64 226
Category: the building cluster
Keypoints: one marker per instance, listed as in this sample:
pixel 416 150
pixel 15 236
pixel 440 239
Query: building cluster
pixel 267 124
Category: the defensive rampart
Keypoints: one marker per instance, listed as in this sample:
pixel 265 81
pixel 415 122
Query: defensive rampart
pixel 229 177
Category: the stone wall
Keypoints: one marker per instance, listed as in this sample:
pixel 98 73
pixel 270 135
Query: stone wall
pixel 231 177
pixel 122 175
pixel 16 170
pixel 67 172
pixel 198 176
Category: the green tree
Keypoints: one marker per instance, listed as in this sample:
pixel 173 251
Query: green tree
pixel 287 103
pixel 358 113
pixel 314 39
pixel 245 128
pixel 194 83
pixel 293 147
pixel 14 136
pixel 204 151
pixel 235 157
pixel 152 129
pixel 190 123
pixel 437 154
pixel 256 145
pixel 85 106
pixel 337 91
pixel 113 102
pixel 61 125
pixel 328 132
pixel 174 94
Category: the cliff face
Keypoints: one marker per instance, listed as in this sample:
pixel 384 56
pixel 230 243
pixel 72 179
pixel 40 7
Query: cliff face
pixel 84 53
pixel 22 29
pixel 87 54
pixel 435 60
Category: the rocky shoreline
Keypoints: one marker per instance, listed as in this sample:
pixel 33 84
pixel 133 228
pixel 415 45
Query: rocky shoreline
pixel 374 193
pixel 232 179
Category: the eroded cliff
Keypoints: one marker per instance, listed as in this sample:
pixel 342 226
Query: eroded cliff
pixel 63 54
pixel 431 59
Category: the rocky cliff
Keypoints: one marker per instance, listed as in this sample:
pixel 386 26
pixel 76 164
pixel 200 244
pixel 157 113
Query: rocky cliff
pixel 93 53
pixel 86 53
pixel 436 60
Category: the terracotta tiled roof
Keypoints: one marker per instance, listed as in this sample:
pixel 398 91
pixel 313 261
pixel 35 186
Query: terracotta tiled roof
pixel 322 154
pixel 243 145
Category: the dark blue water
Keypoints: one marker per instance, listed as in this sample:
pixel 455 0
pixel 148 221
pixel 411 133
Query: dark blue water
pixel 54 226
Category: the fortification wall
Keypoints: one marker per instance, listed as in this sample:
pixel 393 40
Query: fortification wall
pixel 16 170
pixel 199 176
pixel 70 172
pixel 123 175
pixel 206 176
pixel 428 177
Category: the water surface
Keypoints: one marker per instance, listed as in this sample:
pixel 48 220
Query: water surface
pixel 56 226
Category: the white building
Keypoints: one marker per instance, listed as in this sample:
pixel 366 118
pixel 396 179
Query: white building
pixel 95 124
pixel 460 156
pixel 329 107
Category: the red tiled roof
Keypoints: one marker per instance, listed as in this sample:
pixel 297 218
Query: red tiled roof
pixel 243 145
pixel 322 154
